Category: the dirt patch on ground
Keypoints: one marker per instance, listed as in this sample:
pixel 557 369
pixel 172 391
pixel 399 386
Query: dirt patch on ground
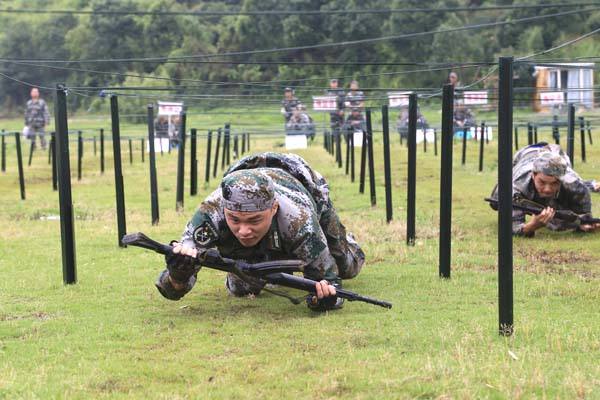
pixel 558 262
pixel 38 315
pixel 555 257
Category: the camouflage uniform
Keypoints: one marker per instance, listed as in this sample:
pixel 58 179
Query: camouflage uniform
pixel 298 122
pixel 36 117
pixel 355 98
pixel 305 227
pixel 335 119
pixel 574 192
pixel 288 106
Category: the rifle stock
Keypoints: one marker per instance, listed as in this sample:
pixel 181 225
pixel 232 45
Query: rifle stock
pixel 274 272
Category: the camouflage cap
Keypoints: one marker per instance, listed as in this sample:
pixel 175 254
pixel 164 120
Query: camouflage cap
pixel 247 190
pixel 551 164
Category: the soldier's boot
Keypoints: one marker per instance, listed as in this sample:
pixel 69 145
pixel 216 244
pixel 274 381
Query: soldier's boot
pixel 239 288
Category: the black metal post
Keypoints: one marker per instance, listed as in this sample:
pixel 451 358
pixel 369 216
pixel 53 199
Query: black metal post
pixel 244 143
pixel 505 240
pixel 50 152
pixel 31 150
pixel 571 134
pixel 481 138
pixel 386 164
pixel 464 147
pixel 54 172
pixel 424 140
pixel 445 253
pixel 193 164
pixel 20 165
pixel 95 146
pixel 143 145
pixel 102 150
pixel 555 129
pixel 338 148
pixel 582 135
pixel 535 133
pixel 63 168
pixel 248 140
pixel 208 149
pixel 435 140
pixel 347 134
pixel 529 134
pixel 217 153
pixel 371 160
pixel 119 190
pixel 180 164
pixel 516 138
pixel 363 162
pixel 412 170
pixel 235 147
pixel 152 163
pixel 589 131
pixel 3 152
pixel 130 151
pixel 79 154
pixel 228 146
pixel 352 172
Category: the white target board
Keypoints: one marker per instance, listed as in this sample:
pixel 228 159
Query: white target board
pixel 552 98
pixel 324 103
pixel 425 134
pixel 169 108
pixel 159 143
pixel 358 138
pixel 294 142
pixel 476 97
pixel 398 99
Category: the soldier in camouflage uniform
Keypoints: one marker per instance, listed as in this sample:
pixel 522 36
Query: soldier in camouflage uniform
pixel 289 103
pixel 270 206
pixel 36 117
pixel 355 98
pixel 542 173
pixel 336 118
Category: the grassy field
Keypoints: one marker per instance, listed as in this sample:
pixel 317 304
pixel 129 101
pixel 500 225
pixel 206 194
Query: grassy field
pixel 113 336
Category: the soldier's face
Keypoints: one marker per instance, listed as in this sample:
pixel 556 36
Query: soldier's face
pixel 250 227
pixel 333 84
pixel 35 94
pixel 545 185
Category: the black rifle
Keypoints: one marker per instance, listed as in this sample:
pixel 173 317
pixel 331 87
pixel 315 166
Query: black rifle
pixel 533 208
pixel 257 274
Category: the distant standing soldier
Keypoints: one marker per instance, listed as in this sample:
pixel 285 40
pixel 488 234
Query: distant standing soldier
pixel 36 117
pixel 336 117
pixel 289 103
pixel 355 98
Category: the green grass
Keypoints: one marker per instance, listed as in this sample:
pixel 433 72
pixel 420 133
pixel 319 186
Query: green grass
pixel 112 335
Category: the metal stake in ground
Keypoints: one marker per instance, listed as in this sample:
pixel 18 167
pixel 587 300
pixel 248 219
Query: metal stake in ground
pixel 363 162
pixel 208 148
pixel 63 168
pixel 31 150
pixel 571 134
pixel 248 140
pixel 529 134
pixel 347 135
pixel 193 164
pixel 54 172
pixel 351 137
pixel 101 150
pixel 386 164
pixel 555 129
pixel 589 131
pixel 152 163
pixel 371 160
pixel 95 147
pixel 505 244
pixel 3 151
pixel 535 133
pixel 338 147
pixel 517 138
pixel 180 164
pixel 481 136
pixel 582 135
pixel 20 165
pixel 412 169
pixel 435 142
pixel 236 144
pixel 142 144
pixel 244 143
pixel 216 164
pixel 464 147
pixel 130 152
pixel 119 191
pixel 79 154
pixel 445 253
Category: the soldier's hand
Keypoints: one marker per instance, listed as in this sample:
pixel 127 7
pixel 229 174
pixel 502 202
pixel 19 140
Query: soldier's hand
pixel 544 217
pixel 589 227
pixel 181 262
pixel 324 289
